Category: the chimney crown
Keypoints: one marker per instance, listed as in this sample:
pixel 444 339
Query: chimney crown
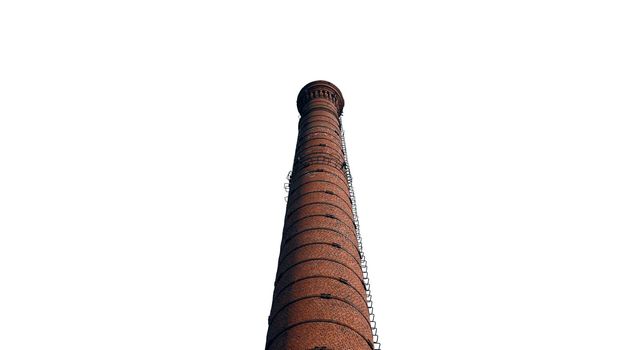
pixel 323 91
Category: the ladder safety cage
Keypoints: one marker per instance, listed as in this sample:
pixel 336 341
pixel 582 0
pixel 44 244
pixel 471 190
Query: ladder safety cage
pixel 359 239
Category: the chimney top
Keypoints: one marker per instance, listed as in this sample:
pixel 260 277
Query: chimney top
pixel 320 89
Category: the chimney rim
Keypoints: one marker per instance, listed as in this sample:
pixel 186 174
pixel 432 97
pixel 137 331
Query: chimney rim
pixel 301 101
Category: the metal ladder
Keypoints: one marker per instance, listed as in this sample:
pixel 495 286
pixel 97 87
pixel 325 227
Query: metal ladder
pixel 359 239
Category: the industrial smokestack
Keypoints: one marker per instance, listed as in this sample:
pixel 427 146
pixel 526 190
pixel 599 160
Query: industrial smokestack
pixel 321 298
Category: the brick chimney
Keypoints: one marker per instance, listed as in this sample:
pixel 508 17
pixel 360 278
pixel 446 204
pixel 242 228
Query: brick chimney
pixel 320 301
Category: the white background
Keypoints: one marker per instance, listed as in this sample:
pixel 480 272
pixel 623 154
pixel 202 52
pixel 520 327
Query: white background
pixel 495 148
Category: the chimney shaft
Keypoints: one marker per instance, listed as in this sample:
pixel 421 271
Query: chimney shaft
pixel 319 297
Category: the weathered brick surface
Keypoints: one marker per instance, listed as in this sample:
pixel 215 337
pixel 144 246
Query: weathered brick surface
pixel 318 233
pixel 318 120
pixel 320 309
pixel 316 287
pixel 318 334
pixel 319 149
pixel 319 295
pixel 315 185
pixel 329 141
pixel 322 268
pixel 313 133
pixel 319 172
pixel 307 222
pixel 318 141
pixel 317 198
pixel 318 252
pixel 328 210
pixel 318 237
